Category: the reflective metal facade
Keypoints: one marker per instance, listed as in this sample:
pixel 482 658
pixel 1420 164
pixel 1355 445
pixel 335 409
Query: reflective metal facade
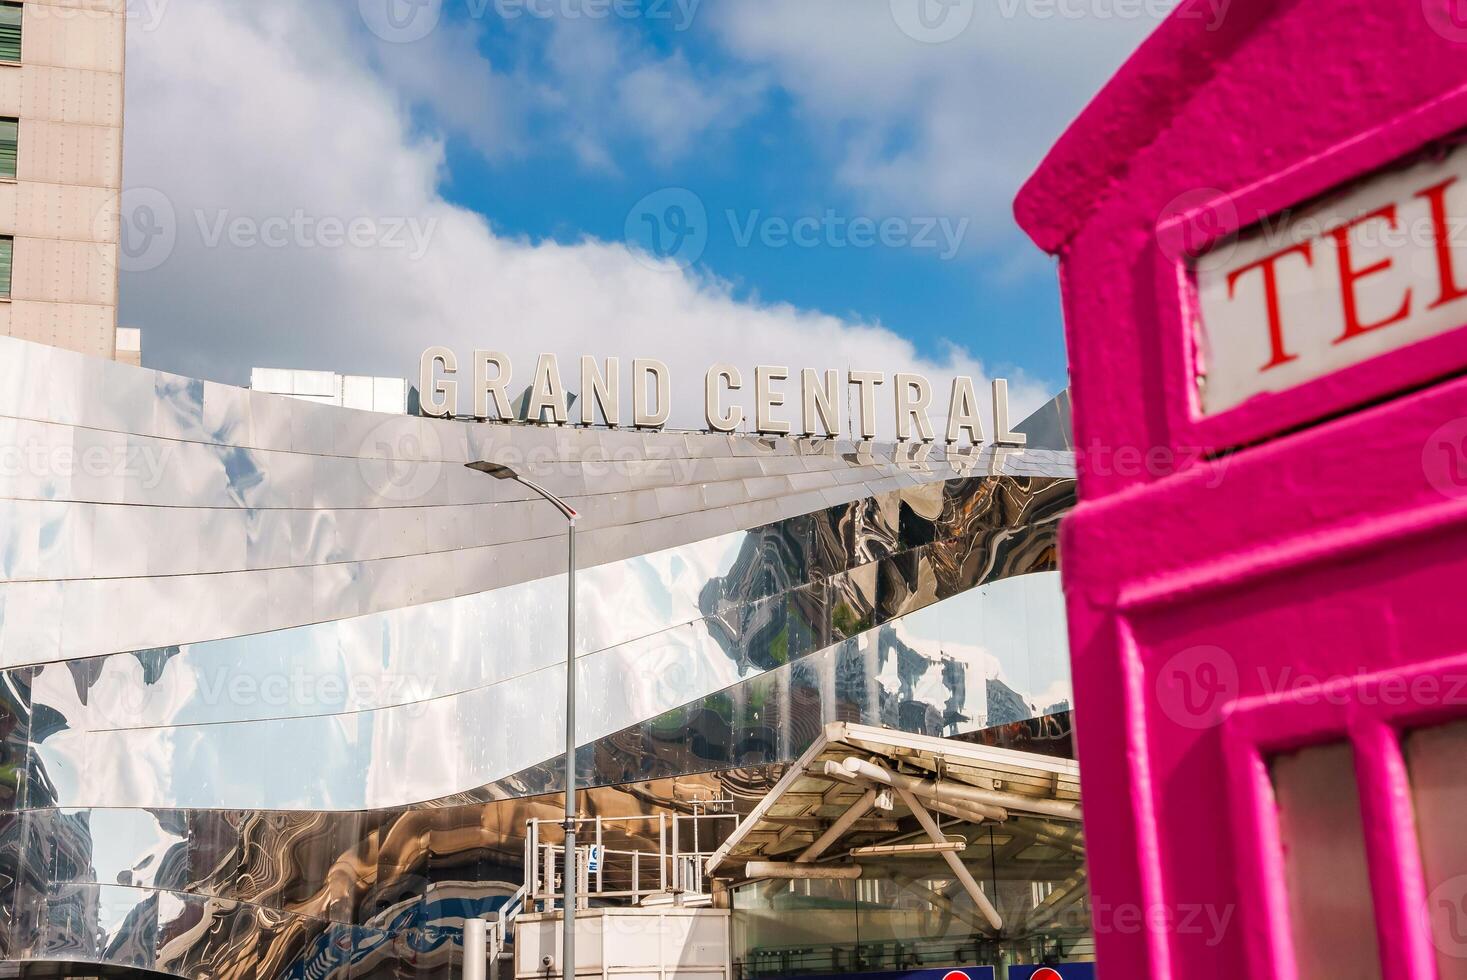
pixel 281 681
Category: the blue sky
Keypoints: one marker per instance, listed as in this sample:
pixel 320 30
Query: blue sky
pixel 531 148
pixel 767 164
pixel 920 292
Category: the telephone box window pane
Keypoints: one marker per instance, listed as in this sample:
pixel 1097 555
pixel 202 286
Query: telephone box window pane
pixel 1332 913
pixel 1437 760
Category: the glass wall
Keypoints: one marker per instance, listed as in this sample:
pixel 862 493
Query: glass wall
pixel 912 913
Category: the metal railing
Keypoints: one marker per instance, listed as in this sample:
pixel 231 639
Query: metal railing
pixel 486 940
pixel 626 860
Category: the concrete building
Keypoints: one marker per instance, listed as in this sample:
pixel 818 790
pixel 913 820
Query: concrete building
pixel 61 98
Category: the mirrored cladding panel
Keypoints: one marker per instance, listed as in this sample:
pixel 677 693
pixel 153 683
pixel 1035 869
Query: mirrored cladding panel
pixel 381 894
pixel 378 700
pixel 125 491
pixel 279 681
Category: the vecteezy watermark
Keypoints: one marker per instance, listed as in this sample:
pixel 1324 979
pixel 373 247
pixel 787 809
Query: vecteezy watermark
pixel 32 458
pixel 677 13
pixel 1389 691
pixel 140 15
pixel 1183 919
pixel 1209 923
pixel 1195 686
pixel 116 699
pixel 301 230
pixel 1213 11
pixel 932 21
pixel 1195 221
pixel 939 21
pixel 145 224
pixel 401 460
pixel 1158 462
pixel 406 21
pixel 659 465
pixel 670 229
pixel 942 235
pixel 401 21
pixel 1203 220
pixel 1448 18
pixel 1446 910
pixel 1444 459
pixel 146 228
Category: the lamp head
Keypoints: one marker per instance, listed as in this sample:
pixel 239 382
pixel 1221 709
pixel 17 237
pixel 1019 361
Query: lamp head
pixel 497 470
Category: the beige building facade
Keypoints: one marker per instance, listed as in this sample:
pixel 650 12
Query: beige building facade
pixel 61 107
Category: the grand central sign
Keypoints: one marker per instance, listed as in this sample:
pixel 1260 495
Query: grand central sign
pixel 820 394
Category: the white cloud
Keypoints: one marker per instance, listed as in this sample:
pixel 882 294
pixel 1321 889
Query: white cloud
pixel 948 128
pixel 604 87
pixel 447 72
pixel 669 104
pixel 275 116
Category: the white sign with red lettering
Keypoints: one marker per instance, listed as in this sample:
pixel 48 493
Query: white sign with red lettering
pixel 1367 270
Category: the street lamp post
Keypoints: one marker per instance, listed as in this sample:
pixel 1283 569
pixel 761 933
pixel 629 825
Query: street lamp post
pixel 568 876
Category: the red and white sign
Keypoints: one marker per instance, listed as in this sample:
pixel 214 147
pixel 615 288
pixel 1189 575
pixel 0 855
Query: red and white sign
pixel 1372 268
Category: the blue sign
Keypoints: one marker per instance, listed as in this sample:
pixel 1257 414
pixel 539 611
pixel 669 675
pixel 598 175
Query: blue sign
pixel 1061 971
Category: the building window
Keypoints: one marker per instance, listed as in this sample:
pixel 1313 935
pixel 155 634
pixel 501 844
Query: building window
pixel 7 256
pixel 10 17
pixel 9 146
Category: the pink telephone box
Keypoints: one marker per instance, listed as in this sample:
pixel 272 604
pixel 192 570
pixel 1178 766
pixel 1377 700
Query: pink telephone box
pixel 1262 231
